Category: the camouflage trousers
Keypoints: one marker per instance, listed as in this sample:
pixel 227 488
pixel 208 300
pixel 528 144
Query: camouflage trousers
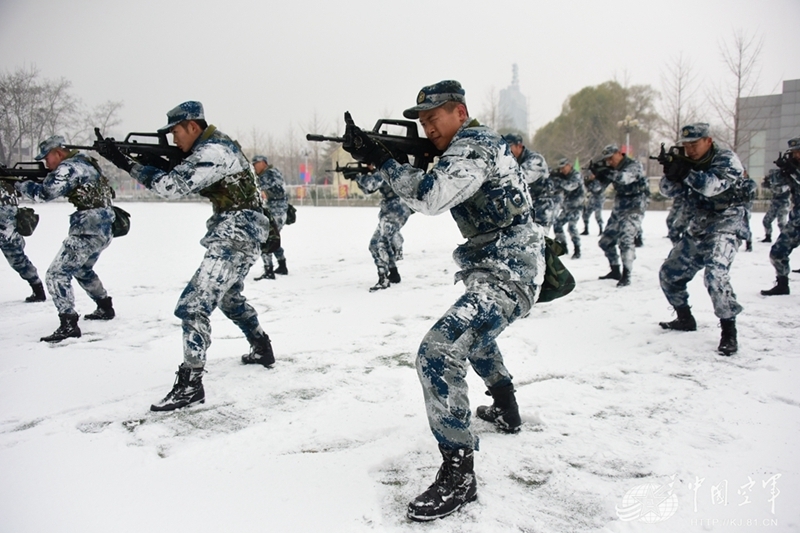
pixel 76 259
pixel 14 250
pixel 778 209
pixel 466 335
pixel 677 221
pixel 594 204
pixel 544 210
pixel 280 221
pixel 621 231
pixel 714 253
pixel 787 241
pixel 569 216
pixel 386 244
pixel 217 283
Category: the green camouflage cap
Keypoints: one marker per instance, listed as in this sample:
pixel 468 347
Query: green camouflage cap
pixel 433 96
pixel 794 144
pixel 694 132
pixel 190 110
pixel 54 141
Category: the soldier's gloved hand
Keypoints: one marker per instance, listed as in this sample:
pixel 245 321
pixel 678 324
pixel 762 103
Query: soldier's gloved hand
pixel 358 144
pixel 109 150
pixel 676 169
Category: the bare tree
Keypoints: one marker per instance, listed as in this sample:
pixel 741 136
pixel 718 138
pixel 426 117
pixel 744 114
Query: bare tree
pixel 104 116
pixel 678 90
pixel 741 57
pixel 491 114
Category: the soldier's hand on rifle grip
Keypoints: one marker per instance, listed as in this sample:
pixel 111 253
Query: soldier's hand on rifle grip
pixel 358 144
pixel 676 169
pixel 109 150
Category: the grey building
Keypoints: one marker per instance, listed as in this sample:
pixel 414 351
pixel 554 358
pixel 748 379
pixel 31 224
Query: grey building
pixel 513 106
pixel 766 124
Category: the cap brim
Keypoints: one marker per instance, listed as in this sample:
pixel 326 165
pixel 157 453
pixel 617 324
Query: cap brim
pixel 413 112
pixel 165 129
pixel 688 140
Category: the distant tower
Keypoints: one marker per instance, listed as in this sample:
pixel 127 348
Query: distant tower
pixel 513 106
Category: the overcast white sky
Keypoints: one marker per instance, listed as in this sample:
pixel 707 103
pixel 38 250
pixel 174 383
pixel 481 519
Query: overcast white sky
pixel 274 65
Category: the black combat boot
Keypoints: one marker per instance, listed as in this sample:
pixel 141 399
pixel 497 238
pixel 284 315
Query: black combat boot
pixel 260 352
pixel 68 328
pixel 104 310
pixel 455 485
pixel 38 293
pixel 728 344
pixel 749 246
pixel 504 411
pixel 625 278
pixel 577 253
pixel 614 274
pixel 585 229
pixel 767 238
pixel 268 273
pixel 684 322
pixel 394 275
pixel 383 282
pixel 781 287
pixel 187 390
pixel 638 241
pixel 601 230
pixel 282 270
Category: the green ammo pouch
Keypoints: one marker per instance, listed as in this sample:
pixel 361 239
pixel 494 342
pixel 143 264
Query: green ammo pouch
pixel 558 281
pixel 27 220
pixel 274 239
pixel 122 222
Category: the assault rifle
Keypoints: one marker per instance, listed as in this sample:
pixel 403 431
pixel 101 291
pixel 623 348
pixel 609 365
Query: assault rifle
pixel 161 154
pixel 667 157
pixel 24 171
pixel 351 170
pixel 409 145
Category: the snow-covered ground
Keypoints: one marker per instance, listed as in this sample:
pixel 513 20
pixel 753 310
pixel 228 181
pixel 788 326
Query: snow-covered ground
pixel 334 437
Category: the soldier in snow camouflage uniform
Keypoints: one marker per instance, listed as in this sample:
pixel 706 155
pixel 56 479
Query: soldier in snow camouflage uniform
pixel 631 188
pixel 13 244
pixel 595 197
pixel 570 183
pixel 216 168
pixel 273 190
pixel 789 238
pixel 386 244
pixel 715 189
pixel 502 266
pixel 537 176
pixel 77 177
pixel 779 206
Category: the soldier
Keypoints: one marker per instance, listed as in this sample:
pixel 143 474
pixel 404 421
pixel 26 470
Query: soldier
pixel 789 238
pixel 78 178
pixel 677 218
pixel 273 191
pixel 216 168
pixel 631 188
pixel 537 176
pixel 13 244
pixel 502 266
pixel 570 183
pixel 716 191
pixel 386 244
pixel 779 205
pixel 595 198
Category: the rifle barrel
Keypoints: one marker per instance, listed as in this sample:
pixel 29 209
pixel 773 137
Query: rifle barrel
pixel 320 138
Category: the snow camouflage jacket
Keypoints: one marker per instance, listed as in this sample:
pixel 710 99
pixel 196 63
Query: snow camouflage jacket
pixel 778 185
pixel 792 178
pixel 390 202
pixel 8 209
pixel 571 186
pixel 595 187
pixel 78 179
pixel 479 181
pixel 271 182
pixel 631 187
pixel 216 166
pixel 711 194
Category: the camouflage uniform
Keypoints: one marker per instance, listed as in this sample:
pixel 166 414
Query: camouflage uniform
pixel 571 187
pixel 540 186
pixel 386 244
pixel 789 238
pixel 625 223
pixel 216 169
pixel 502 267
pixel 677 218
pixel 715 231
pixel 779 206
pixel 77 178
pixel 271 182
pixel 11 242
pixel 595 198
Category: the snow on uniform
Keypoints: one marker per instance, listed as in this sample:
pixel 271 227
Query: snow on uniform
pixel 272 183
pixel 789 238
pixel 779 206
pixel 677 218
pixel 596 196
pixel 216 169
pixel 502 267
pixel 571 186
pixel 540 186
pixel 625 223
pixel 716 228
pixel 386 244
pixel 78 179
pixel 11 242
